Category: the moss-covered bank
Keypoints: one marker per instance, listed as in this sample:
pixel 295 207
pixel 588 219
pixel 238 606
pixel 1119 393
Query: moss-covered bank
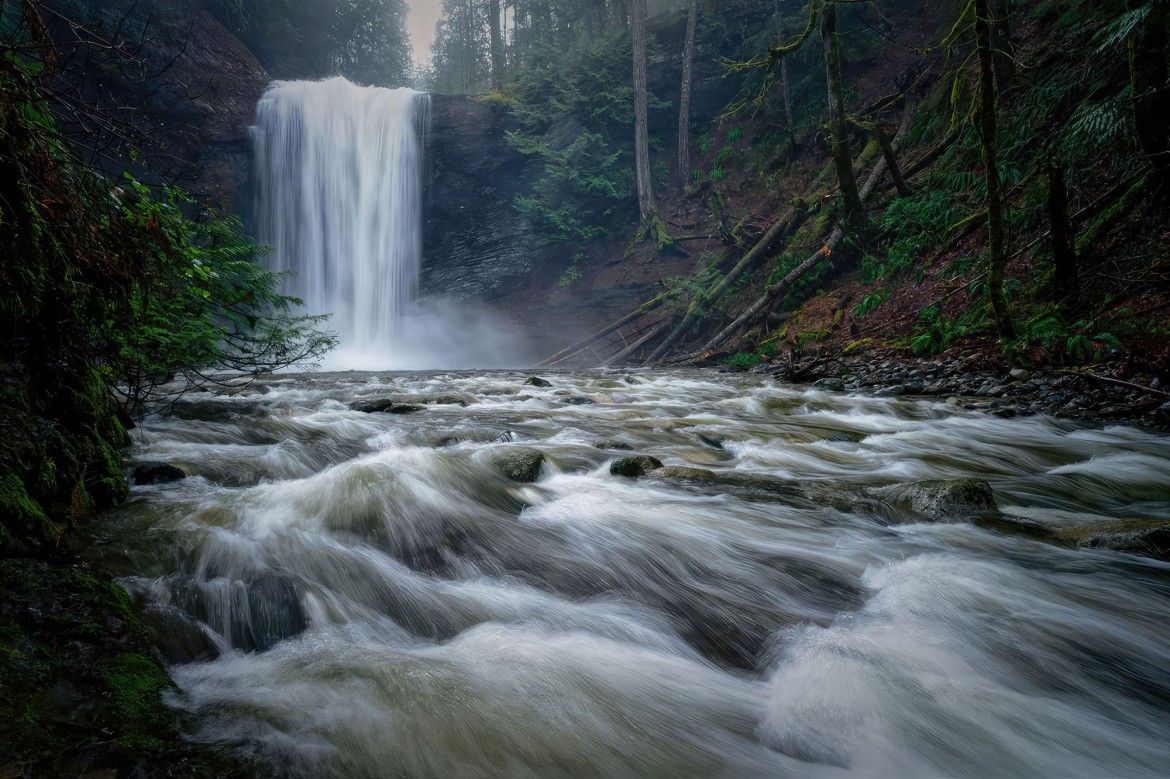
pixel 80 684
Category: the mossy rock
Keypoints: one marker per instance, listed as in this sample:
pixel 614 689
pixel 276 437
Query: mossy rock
pixel 953 499
pixel 384 406
pixel 519 463
pixel 536 381
pixel 633 467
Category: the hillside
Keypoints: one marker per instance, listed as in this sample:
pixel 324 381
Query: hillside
pixel 910 279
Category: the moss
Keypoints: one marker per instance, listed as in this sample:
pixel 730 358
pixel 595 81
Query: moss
pixel 136 685
pixel 21 517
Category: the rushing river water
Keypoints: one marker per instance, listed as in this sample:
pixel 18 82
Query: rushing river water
pixel 366 595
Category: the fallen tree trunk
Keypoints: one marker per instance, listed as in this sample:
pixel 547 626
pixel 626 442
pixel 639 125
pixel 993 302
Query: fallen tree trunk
pixel 582 345
pixel 774 291
pixel 638 343
pixel 781 229
pixel 826 251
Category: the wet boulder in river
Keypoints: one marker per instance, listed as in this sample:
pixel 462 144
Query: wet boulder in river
pixel 156 473
pixel 384 406
pixel 953 499
pixel 633 467
pixel 520 463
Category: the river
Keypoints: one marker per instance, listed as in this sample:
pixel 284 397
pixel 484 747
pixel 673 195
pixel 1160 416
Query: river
pixel 366 594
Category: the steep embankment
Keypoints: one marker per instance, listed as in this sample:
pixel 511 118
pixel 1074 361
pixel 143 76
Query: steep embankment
pixel 1086 272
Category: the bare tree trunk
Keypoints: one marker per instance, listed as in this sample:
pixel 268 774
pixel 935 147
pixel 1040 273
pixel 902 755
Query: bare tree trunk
pixel 986 129
pixel 785 92
pixel 684 102
pixel 1066 286
pixel 777 289
pixel 1148 84
pixel 892 162
pixel 497 43
pixel 647 209
pixel 838 128
pixel 1001 42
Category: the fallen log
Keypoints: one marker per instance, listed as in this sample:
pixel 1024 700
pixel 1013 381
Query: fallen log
pixel 575 349
pixel 784 226
pixel 825 252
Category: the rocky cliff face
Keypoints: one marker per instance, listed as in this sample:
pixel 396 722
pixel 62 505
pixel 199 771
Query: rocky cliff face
pixel 189 115
pixel 474 241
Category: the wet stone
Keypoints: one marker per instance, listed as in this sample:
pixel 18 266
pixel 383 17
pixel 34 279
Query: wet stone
pixel 536 381
pixel 954 499
pixel 520 464
pixel 633 467
pixel 619 445
pixel 156 473
pixel 384 406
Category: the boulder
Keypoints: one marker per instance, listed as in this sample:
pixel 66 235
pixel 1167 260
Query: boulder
pixel 953 499
pixel 684 472
pixel 633 467
pixel 577 400
pixel 519 463
pixel 156 473
pixel 620 445
pixel 384 406
pixel 536 381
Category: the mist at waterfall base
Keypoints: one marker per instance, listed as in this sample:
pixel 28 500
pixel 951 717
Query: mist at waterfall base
pixel 339 173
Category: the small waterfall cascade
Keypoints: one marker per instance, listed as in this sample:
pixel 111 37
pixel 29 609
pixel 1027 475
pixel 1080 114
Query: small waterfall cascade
pixel 339 178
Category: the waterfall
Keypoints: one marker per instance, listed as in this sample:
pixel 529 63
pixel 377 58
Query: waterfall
pixel 339 173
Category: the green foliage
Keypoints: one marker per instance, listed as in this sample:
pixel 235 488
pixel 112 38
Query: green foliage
pixel 103 285
pixel 745 359
pixel 204 304
pixel 936 332
pixel 1079 341
pixel 576 117
pixel 912 226
pixel 363 40
pixel 767 351
pixel 572 273
pixel 871 302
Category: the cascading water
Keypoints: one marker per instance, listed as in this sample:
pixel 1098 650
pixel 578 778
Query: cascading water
pixel 347 594
pixel 339 173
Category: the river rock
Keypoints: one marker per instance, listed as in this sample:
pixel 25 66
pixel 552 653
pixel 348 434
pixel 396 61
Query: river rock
pixel 536 381
pixel 578 400
pixel 619 445
pixel 519 463
pixel 954 499
pixel 683 472
pixel 156 473
pixel 384 406
pixel 442 400
pixel 633 467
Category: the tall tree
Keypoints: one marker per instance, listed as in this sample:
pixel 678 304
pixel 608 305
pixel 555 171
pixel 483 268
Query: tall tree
pixel 647 209
pixel 785 92
pixel 684 102
pixel 497 43
pixel 838 127
pixel 1150 86
pixel 986 127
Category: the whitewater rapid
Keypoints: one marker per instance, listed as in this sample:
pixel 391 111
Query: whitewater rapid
pixel 367 595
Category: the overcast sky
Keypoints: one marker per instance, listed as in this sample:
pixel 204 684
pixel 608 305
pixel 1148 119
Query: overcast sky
pixel 420 23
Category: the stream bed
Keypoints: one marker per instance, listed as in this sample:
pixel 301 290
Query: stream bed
pixel 355 594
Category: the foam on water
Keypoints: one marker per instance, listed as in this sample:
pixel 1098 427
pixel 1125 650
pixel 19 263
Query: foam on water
pixel 380 600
